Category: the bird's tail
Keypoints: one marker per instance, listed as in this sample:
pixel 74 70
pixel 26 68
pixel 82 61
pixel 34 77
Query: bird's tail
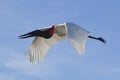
pixel 99 38
pixel 30 34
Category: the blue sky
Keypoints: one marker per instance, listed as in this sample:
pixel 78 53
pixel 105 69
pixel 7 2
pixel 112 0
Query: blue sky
pixel 99 62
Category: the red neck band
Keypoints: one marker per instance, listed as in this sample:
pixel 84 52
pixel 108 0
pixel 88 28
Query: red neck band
pixel 52 30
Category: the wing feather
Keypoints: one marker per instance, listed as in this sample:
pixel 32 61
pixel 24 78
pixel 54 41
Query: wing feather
pixel 40 46
pixel 77 36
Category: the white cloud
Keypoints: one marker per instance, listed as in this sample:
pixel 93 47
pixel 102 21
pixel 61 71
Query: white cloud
pixel 54 66
pixel 6 77
pixel 17 63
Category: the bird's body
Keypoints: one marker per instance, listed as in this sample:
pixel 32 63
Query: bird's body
pixel 47 37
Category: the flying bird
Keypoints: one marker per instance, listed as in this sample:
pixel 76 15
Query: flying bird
pixel 47 37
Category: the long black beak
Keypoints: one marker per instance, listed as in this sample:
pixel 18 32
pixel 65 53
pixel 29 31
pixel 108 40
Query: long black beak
pixel 30 34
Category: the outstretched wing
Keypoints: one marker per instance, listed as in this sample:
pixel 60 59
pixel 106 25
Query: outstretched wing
pixel 40 46
pixel 77 36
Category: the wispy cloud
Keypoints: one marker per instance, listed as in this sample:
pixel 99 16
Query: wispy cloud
pixel 52 66
pixel 17 62
pixel 7 77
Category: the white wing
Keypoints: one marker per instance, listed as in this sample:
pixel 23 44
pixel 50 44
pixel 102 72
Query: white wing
pixel 40 46
pixel 77 36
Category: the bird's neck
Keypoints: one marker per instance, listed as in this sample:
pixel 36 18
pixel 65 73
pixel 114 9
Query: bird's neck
pixel 52 30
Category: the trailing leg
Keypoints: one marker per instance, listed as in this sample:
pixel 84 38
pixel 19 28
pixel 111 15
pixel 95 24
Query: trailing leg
pixel 99 38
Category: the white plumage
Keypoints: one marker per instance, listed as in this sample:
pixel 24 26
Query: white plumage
pixel 77 36
pixel 40 46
